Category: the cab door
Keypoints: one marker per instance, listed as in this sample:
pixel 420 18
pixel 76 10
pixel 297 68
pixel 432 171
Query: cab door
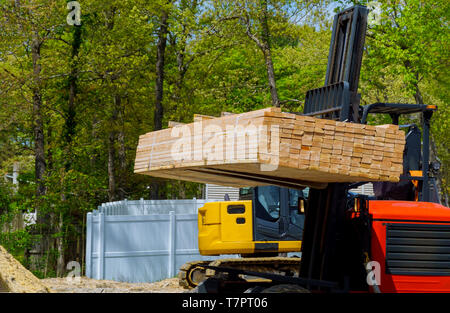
pixel 275 214
pixel 295 217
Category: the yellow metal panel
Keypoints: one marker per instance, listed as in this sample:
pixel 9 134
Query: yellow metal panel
pixel 220 247
pixel 219 233
pixel 210 213
pixel 232 230
pixel 289 246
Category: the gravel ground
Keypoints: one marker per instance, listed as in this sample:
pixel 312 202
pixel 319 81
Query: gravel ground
pixel 88 285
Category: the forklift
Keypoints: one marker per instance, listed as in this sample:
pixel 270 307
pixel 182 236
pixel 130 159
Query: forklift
pixel 401 236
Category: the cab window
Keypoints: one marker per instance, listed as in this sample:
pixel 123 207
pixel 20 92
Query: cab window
pixel 268 197
pixel 296 217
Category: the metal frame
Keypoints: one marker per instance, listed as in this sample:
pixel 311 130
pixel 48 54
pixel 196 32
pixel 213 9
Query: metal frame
pixel 339 99
pixel 329 102
pixel 394 109
pixel 323 249
pixel 419 249
pixel 397 109
pixel 234 272
pixel 323 243
pixel 346 48
pixel 325 252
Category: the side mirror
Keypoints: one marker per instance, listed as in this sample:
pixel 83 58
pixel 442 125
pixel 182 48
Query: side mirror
pixel 435 166
pixel 301 205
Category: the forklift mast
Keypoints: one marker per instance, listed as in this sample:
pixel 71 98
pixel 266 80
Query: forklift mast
pixel 325 254
pixel 331 250
pixel 338 99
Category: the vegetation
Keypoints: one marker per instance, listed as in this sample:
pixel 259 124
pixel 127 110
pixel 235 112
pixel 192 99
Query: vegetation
pixel 75 98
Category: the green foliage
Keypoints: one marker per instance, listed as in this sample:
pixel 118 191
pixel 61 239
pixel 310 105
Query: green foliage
pixel 211 65
pixel 407 61
pixel 13 239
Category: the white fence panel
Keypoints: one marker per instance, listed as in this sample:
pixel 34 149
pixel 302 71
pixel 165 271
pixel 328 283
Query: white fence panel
pixel 140 248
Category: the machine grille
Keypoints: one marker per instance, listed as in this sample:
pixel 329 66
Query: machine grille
pixel 418 249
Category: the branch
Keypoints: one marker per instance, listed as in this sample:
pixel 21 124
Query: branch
pixel 246 19
pixel 290 100
pixel 202 53
pixel 212 29
pixel 60 39
pixel 63 115
pixel 67 74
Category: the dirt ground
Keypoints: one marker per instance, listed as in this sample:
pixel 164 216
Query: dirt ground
pixel 88 285
pixel 14 277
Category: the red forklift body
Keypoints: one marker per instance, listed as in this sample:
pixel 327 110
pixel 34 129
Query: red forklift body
pixel 411 242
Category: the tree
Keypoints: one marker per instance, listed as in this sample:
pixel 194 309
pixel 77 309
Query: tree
pixel 255 18
pixel 409 45
pixel 29 29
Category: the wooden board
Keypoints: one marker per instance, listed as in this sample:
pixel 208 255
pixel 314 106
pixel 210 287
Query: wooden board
pixel 271 147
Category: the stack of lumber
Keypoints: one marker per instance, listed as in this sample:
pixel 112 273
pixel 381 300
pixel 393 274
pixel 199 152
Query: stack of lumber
pixel 268 146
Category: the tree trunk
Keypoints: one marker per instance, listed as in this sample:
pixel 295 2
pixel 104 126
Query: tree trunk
pixel 122 165
pixel 267 53
pixel 42 218
pixel 111 159
pixel 116 155
pixel 38 126
pixel 111 167
pixel 159 85
pixel 60 268
pixel 72 81
pixel 49 157
pixel 160 62
pixel 109 24
pixel 68 134
pixel 182 69
pixel 271 78
pixel 418 95
pixel 121 151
